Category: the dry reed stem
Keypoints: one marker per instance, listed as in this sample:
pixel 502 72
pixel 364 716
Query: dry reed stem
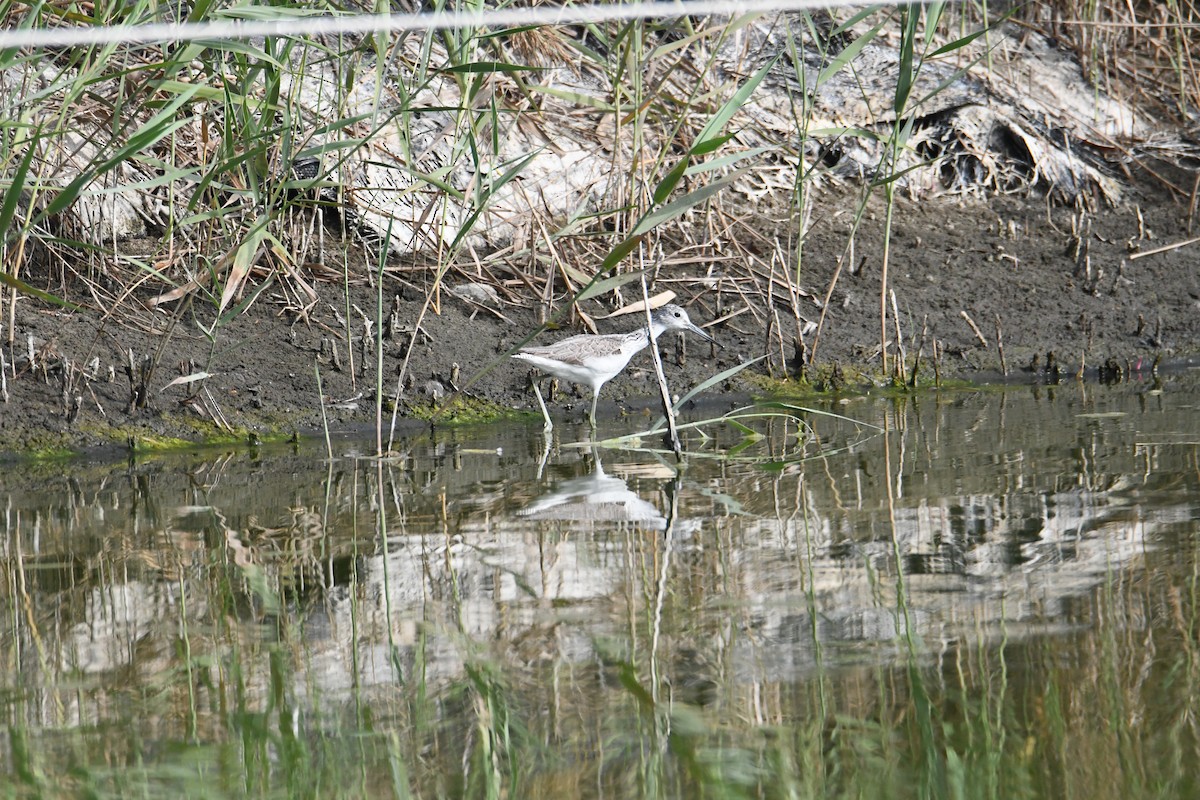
pixel 1000 347
pixel 1165 248
pixel 900 354
pixel 974 327
pixel 912 381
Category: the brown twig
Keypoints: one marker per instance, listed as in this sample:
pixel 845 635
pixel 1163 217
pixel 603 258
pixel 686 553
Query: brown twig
pixel 937 364
pixel 1191 204
pixel 1164 248
pixel 767 343
pixel 974 327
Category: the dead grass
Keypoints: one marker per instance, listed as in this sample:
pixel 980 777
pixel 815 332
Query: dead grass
pixel 1146 53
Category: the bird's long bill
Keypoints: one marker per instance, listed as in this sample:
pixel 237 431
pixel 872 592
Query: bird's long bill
pixel 700 331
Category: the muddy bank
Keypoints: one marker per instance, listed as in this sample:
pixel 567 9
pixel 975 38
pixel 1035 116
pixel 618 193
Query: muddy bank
pixel 1055 282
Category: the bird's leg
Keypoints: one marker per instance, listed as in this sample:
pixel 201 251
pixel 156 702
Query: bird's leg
pixel 592 416
pixel 549 426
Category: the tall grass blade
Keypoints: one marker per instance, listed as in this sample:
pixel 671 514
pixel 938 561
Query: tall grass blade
pixel 728 160
pixel 576 98
pixel 484 202
pixel 618 253
pixel 960 43
pixel 720 119
pixel 670 181
pixel 709 139
pixel 233 46
pixel 683 204
pixel 46 297
pixel 838 62
pixel 856 18
pixel 487 67
pixel 792 407
pixel 156 128
pixel 906 75
pixel 12 193
pixel 244 259
pixel 167 177
pixel 605 285
pixel 709 145
pixel 709 382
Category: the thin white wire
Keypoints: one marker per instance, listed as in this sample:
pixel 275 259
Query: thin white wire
pixel 381 23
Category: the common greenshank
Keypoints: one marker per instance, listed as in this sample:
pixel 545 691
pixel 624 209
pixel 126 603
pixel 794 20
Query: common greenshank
pixel 592 360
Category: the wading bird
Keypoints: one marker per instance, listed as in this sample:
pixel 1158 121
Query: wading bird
pixel 592 360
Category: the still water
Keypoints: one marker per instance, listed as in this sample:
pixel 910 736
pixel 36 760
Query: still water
pixel 987 594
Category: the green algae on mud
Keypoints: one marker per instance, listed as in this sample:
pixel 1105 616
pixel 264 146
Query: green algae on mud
pixel 462 409
pixel 49 454
pixel 165 437
pixel 26 445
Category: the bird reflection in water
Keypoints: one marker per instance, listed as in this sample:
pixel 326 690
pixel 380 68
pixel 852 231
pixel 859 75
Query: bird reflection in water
pixel 596 497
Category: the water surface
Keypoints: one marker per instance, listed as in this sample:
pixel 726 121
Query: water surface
pixel 987 594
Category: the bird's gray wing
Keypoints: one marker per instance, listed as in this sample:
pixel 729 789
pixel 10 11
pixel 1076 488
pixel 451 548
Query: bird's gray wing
pixel 577 349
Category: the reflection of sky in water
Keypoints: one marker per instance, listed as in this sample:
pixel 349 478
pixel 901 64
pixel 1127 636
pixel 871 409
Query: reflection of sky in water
pixel 992 513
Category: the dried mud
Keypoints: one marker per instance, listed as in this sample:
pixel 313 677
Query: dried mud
pixel 1008 258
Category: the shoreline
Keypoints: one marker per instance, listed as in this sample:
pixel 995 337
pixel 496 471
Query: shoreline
pixel 948 256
